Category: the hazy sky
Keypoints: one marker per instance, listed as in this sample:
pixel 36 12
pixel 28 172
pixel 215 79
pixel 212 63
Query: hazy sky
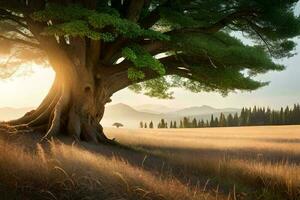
pixel 284 89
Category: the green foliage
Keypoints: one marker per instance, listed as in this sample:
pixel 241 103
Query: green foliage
pixel 197 35
pixel 176 19
pixel 79 21
pixel 141 59
pixel 134 74
pixel 61 13
pixel 158 88
pixel 222 50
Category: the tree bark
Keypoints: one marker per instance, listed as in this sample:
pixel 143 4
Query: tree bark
pixel 75 111
pixel 75 103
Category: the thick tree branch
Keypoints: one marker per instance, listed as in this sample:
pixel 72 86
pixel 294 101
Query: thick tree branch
pixel 133 14
pixel 259 31
pixel 16 40
pixel 151 19
pixel 5 15
pixel 22 33
pixel 225 21
pixel 155 47
pixel 240 14
pixel 134 10
pixel 119 80
pixel 113 49
pixel 18 31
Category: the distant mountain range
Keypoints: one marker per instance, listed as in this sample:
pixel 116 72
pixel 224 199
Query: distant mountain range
pixel 154 108
pixel 131 117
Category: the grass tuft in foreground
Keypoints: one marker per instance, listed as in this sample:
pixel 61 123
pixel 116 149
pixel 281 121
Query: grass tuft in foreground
pixel 69 172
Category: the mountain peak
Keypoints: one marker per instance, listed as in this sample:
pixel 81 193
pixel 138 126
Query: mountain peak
pixel 154 108
pixel 207 107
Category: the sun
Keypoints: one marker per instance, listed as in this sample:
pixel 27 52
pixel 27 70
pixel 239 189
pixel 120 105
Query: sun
pixel 27 87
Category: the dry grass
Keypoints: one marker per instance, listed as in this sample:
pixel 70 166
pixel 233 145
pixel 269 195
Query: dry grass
pixel 62 171
pixel 215 163
pixel 247 163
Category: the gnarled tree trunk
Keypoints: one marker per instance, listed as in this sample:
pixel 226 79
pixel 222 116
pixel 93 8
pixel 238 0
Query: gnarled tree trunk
pixel 76 102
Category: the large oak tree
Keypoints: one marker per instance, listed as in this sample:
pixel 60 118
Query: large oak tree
pixel 98 47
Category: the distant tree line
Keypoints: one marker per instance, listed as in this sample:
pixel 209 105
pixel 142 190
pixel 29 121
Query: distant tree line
pixel 256 116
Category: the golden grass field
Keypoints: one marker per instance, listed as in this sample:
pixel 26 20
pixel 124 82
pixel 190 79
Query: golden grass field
pixel 212 163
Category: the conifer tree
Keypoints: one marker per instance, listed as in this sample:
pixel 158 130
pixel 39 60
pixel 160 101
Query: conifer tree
pixel 159 125
pixel 175 124
pixel 222 121
pixel 199 124
pixel 202 123
pixel 194 123
pixel 171 124
pixel 162 123
pixel 207 124
pixel 141 124
pixel 212 121
pixel 186 122
pixel 151 125
pixel 230 121
pixel 216 122
pixel 236 120
pixel 181 124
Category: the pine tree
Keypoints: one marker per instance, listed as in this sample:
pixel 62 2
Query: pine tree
pixel 207 124
pixel 230 120
pixel 216 122
pixel 236 121
pixel 151 125
pixel 163 123
pixel 200 124
pixel 268 118
pixel 186 122
pixel 287 120
pixel 194 123
pixel 212 121
pixel 159 125
pixel 141 124
pixel 175 124
pixel 282 120
pixel 222 121
pixel 181 124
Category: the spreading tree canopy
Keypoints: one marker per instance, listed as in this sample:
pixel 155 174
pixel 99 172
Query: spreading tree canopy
pixel 97 47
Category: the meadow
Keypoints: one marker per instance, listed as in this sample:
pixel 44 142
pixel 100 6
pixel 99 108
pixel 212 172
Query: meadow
pixel 209 163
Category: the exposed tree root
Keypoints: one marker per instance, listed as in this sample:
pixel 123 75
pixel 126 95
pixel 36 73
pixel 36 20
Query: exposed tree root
pixel 44 106
pixel 74 106
pixel 59 108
